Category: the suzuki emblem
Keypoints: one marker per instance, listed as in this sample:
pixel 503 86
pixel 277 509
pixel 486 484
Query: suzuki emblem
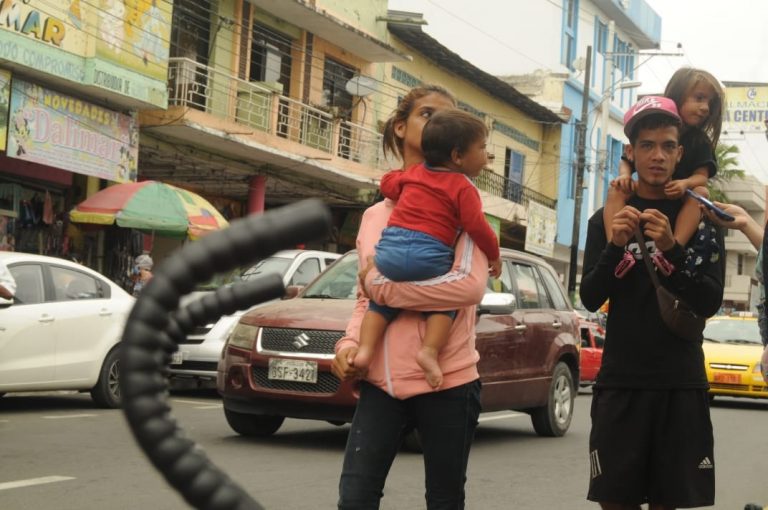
pixel 301 341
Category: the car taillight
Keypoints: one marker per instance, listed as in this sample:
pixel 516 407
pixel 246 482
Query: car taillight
pixel 243 336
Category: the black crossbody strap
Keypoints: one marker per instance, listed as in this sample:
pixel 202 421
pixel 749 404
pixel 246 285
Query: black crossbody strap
pixel 647 258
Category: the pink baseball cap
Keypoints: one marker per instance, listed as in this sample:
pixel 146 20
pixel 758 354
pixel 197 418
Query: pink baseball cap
pixel 649 105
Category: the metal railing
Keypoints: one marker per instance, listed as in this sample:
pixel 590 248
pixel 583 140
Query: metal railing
pixel 499 186
pixel 260 107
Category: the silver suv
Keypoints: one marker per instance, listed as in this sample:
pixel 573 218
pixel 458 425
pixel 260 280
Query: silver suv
pixel 199 353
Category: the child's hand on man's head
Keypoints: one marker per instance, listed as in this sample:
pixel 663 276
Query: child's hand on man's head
pixel 675 189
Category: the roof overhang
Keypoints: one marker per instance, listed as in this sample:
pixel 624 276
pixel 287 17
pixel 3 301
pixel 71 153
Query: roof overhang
pixel 637 19
pixel 332 29
pixel 420 41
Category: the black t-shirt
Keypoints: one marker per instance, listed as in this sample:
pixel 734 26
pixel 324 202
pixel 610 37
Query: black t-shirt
pixel 640 351
pixel 697 153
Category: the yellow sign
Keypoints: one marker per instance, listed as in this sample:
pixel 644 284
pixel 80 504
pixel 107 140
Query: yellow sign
pixel 746 109
pixel 135 34
pixel 58 24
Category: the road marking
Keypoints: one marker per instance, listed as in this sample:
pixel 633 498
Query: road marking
pixel 4 421
pixel 193 402
pixel 217 406
pixel 34 481
pixel 500 417
pixel 67 416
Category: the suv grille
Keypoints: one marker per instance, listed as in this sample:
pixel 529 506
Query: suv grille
pixel 326 382
pixel 282 340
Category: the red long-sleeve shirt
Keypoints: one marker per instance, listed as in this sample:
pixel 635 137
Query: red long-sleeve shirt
pixel 438 202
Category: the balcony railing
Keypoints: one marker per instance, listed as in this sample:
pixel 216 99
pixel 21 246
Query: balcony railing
pixel 263 108
pixel 499 186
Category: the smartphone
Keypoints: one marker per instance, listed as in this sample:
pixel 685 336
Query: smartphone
pixel 712 207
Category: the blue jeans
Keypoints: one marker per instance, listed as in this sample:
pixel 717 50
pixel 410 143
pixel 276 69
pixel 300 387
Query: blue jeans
pixel 405 255
pixel 446 422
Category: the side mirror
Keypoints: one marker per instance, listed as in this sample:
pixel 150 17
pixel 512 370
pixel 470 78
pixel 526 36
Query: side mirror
pixel 292 291
pixel 497 303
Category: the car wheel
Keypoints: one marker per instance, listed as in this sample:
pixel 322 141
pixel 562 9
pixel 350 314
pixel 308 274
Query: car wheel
pixel 253 425
pixel 106 393
pixel 554 418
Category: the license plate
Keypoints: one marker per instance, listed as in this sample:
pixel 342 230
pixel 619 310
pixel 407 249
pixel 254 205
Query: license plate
pixel 177 358
pixel 727 378
pixel 292 370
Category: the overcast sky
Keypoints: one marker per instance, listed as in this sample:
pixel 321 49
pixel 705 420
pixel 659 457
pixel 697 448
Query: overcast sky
pixel 729 38
pixel 726 37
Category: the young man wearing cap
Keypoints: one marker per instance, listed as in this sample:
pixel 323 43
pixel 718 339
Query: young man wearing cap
pixel 651 439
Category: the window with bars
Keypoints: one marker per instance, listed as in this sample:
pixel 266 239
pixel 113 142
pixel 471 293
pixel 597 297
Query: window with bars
pixel 270 57
pixel 514 166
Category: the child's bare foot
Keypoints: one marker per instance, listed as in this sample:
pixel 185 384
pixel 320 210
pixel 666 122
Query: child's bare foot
pixel 363 358
pixel 427 360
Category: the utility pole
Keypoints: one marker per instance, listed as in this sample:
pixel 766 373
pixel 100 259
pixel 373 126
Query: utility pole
pixel 581 146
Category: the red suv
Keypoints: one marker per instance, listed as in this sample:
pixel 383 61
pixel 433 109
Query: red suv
pixel 276 362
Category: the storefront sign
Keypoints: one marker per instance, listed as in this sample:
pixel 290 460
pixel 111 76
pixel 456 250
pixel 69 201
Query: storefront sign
pixel 5 99
pixel 124 49
pixel 111 77
pixel 135 34
pixel 56 24
pixel 64 132
pixel 746 109
pixel 46 59
pixel 541 230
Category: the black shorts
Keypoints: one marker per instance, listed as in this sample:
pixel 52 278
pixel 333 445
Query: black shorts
pixel 651 446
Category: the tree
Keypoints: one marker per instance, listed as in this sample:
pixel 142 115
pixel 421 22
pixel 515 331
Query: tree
pixel 727 160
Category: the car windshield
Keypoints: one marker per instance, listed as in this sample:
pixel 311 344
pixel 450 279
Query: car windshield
pixel 219 280
pixel 728 331
pixel 337 282
pixel 277 265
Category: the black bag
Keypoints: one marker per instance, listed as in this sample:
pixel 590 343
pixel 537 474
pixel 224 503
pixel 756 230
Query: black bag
pixel 676 314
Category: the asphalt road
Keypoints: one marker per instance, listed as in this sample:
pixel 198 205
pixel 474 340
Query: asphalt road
pixel 59 452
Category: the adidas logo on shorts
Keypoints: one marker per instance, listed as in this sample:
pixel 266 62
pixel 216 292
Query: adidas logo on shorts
pixel 594 464
pixel 706 464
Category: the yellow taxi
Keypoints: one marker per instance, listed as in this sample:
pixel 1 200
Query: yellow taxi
pixel 732 352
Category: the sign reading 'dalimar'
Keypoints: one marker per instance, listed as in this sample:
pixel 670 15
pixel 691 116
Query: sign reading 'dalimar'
pixel 58 130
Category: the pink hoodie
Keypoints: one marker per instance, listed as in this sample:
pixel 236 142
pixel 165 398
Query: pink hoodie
pixel 394 368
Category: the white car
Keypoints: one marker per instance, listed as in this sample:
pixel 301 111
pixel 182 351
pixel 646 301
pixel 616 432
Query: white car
pixel 198 356
pixel 62 329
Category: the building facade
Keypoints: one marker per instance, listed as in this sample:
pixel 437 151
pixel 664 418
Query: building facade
pixel 554 75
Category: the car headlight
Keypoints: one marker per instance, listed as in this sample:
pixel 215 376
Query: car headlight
pixel 243 336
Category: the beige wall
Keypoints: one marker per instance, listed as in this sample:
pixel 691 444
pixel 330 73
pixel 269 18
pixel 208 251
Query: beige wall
pixel 360 14
pixel 540 171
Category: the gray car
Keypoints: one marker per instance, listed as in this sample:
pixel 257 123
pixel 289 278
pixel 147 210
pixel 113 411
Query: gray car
pixel 198 355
